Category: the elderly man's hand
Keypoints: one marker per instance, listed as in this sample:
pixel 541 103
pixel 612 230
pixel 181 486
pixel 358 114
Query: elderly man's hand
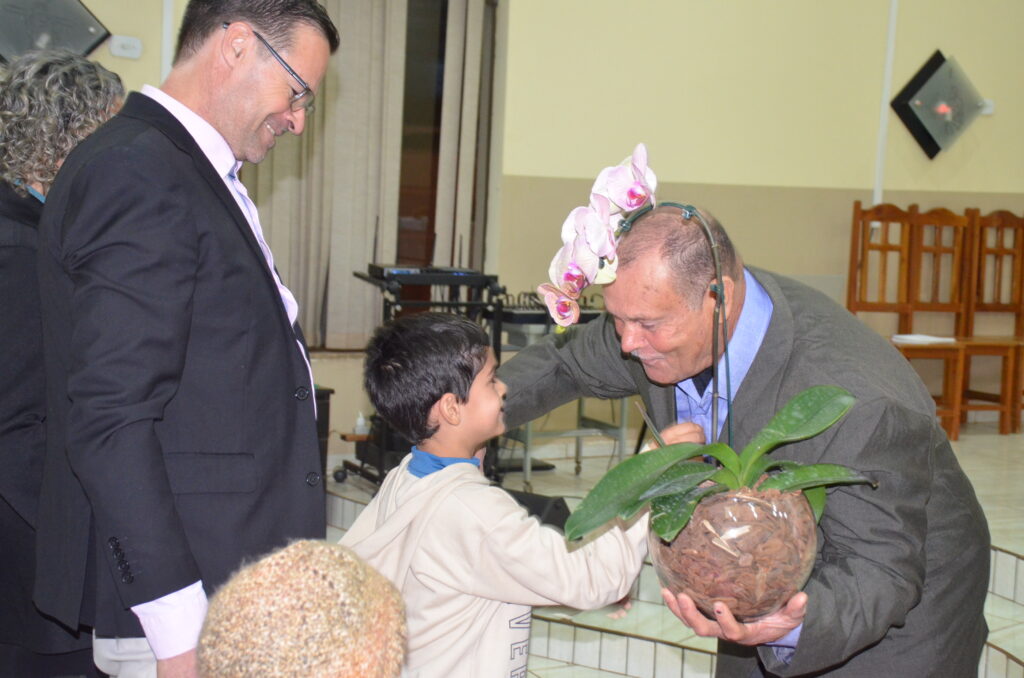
pixel 764 630
pixel 686 432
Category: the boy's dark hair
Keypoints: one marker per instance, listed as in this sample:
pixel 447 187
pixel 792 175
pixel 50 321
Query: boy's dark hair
pixel 413 361
pixel 274 19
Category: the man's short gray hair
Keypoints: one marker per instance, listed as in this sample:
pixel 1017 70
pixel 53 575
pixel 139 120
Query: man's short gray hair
pixel 683 246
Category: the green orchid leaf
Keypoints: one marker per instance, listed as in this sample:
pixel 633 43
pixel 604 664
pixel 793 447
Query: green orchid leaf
pixel 670 514
pixel 724 454
pixel 679 478
pixel 765 464
pixel 675 479
pixel 622 486
pixel 727 478
pixel 806 415
pixel 814 476
pixel 816 498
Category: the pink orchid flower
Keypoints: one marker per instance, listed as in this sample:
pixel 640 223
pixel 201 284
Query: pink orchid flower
pixel 593 222
pixel 630 185
pixel 563 310
pixel 566 275
pixel 573 257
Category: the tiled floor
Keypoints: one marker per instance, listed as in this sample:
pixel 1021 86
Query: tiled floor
pixel 994 463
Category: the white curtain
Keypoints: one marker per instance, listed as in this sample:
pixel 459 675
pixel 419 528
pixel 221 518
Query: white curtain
pixel 453 226
pixel 328 200
pixel 327 197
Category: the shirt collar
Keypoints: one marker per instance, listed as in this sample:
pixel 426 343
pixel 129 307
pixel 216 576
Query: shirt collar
pixel 751 327
pixel 424 463
pixel 210 141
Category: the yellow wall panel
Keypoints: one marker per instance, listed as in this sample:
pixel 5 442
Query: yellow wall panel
pixel 782 93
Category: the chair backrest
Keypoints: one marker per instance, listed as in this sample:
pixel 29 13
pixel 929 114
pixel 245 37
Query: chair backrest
pixel 879 260
pixel 940 252
pixel 997 275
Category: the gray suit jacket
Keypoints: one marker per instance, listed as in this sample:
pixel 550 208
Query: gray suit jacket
pixel 902 570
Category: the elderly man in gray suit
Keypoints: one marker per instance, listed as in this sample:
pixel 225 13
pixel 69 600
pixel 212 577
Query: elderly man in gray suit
pixel 902 570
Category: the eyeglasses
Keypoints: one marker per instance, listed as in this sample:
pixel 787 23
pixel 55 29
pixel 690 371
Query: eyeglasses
pixel 301 100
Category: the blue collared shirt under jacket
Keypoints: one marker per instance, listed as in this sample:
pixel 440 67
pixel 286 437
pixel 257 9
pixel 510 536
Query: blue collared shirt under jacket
pixel 743 347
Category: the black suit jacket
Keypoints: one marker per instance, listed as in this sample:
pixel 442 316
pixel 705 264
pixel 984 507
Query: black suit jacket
pixel 182 437
pixel 22 431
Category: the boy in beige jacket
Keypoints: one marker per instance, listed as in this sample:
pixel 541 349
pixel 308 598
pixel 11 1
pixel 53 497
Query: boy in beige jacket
pixel 468 560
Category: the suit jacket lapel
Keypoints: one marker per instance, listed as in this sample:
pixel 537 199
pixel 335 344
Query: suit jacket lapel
pixel 757 398
pixel 141 107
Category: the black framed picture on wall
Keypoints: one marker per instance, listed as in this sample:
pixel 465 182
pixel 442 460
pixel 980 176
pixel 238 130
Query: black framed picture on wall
pixel 26 25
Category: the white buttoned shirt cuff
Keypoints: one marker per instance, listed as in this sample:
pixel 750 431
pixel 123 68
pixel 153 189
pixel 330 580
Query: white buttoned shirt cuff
pixel 172 623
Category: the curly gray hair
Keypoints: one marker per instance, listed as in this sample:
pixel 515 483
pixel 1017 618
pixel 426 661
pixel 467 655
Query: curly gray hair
pixel 49 101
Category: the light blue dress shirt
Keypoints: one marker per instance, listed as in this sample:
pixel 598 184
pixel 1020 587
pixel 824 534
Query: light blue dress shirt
pixel 743 347
pixel 755 317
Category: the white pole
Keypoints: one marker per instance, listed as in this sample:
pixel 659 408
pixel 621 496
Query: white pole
pixel 167 40
pixel 883 109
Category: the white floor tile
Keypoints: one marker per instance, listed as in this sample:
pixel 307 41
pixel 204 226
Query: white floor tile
pixel 1019 587
pixel 1005 577
pixel 560 642
pixel 697 665
pixel 587 650
pixel 996 667
pixel 640 659
pixel 614 649
pixel 668 661
pixel 539 630
pixel 650 587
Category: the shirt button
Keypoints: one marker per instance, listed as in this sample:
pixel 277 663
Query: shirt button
pixel 127 578
pixel 301 393
pixel 113 543
pixel 312 478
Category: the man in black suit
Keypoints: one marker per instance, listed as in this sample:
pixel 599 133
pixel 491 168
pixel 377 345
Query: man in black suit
pixel 181 420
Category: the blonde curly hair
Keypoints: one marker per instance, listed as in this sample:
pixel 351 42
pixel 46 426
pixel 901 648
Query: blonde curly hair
pixel 310 610
pixel 49 101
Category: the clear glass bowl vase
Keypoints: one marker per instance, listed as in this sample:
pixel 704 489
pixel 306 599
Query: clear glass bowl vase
pixel 749 549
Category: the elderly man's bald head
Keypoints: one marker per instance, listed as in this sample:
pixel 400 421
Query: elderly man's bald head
pixel 682 245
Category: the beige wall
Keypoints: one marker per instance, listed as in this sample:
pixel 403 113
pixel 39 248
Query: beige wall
pixel 734 92
pixel 142 19
pixel 767 113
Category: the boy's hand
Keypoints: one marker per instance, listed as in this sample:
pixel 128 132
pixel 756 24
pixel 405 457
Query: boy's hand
pixel 758 632
pixel 621 608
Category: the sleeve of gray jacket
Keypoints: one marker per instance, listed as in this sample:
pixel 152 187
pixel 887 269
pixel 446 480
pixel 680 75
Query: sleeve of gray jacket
pixel 584 361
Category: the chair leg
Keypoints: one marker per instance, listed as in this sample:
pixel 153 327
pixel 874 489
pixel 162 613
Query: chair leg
pixel 1008 399
pixel 955 384
pixel 965 384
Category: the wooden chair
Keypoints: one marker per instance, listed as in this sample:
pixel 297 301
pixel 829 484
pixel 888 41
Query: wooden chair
pixel 879 260
pixel 995 285
pixel 944 278
pixel 940 251
pixel 949 403
pixel 879 280
pixel 997 276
